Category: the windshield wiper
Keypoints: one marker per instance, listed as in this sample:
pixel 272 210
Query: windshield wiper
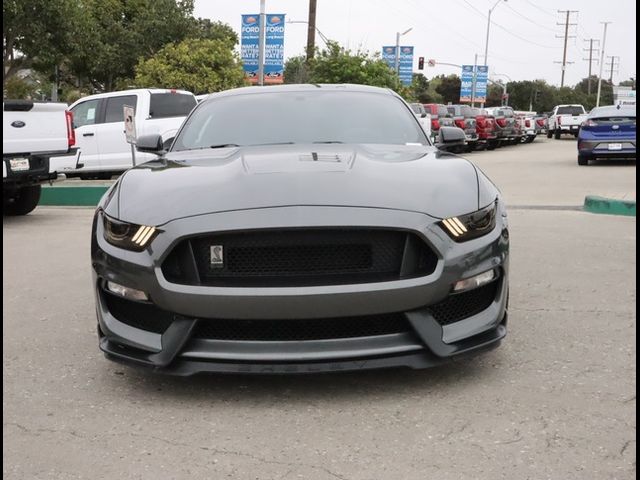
pixel 225 145
pixel 329 141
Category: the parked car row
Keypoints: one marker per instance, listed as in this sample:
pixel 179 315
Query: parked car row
pixel 485 128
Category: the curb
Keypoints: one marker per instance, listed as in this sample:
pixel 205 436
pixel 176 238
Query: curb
pixel 72 196
pixel 609 206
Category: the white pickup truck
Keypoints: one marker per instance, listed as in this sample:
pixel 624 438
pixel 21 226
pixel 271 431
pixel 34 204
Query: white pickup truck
pixel 423 117
pixel 99 126
pixel 33 135
pixel 566 119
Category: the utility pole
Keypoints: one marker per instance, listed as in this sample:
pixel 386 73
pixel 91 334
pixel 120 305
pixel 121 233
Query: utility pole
pixel 590 60
pixel 604 40
pixel 612 64
pixel 566 37
pixel 311 30
pixel 473 85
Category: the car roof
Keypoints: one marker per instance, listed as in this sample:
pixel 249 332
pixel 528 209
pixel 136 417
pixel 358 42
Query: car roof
pixel 613 110
pixel 303 87
pixel 133 91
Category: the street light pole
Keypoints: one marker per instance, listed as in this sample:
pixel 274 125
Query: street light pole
pixel 261 39
pixel 486 43
pixel 604 39
pixel 398 35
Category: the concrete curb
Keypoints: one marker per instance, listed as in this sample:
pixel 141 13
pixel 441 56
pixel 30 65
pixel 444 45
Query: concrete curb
pixel 72 196
pixel 609 206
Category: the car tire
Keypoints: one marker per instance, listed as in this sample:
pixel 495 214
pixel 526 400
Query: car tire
pixel 557 134
pixel 583 160
pixel 549 134
pixel 25 200
pixel 492 145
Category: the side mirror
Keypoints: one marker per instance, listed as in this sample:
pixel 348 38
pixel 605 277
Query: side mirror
pixel 150 144
pixel 450 138
pixel 424 115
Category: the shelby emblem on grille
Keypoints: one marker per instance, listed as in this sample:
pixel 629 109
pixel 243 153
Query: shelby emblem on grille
pixel 217 256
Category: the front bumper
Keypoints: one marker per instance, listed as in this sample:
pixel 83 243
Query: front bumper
pixel 424 344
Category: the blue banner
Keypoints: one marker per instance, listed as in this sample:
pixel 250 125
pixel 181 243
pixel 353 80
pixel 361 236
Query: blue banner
pixel 482 76
pixel 249 35
pixel 466 83
pixel 273 51
pixel 406 62
pixel 406 65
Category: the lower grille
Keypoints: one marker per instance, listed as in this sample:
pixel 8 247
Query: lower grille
pixel 459 306
pixel 300 257
pixel 145 316
pixel 304 329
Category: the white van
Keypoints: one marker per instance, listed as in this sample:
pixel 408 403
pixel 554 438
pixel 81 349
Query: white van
pixel 99 126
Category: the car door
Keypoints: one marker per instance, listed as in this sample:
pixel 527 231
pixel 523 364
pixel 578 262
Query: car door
pixel 85 119
pixel 115 152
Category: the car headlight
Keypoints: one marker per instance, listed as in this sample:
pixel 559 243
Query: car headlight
pixel 471 225
pixel 127 235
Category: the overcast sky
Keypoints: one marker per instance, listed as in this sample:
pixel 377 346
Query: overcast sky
pixel 522 44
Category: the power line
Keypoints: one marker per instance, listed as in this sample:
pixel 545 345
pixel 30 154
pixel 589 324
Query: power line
pixel 507 30
pixel 528 19
pixel 541 9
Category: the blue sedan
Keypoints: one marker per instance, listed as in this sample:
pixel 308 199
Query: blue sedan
pixel 608 132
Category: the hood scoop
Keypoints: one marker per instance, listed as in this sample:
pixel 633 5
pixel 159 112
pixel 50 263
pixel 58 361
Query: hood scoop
pixel 312 162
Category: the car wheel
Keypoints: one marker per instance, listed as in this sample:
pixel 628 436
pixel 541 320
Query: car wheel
pixel 583 159
pixel 25 200
pixel 549 134
pixel 557 134
pixel 491 145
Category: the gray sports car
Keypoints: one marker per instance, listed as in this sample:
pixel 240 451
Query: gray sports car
pixel 299 228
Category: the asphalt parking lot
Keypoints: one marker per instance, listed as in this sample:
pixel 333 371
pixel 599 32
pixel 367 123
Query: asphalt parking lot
pixel 555 401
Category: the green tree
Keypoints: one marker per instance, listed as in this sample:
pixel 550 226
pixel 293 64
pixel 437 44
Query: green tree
pixel 628 83
pixel 335 64
pixel 198 65
pixel 115 34
pixel 36 34
pixel 419 89
pixel 297 70
pixel 449 88
pixel 205 28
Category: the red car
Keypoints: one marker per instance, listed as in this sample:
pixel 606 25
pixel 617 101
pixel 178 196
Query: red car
pixel 485 128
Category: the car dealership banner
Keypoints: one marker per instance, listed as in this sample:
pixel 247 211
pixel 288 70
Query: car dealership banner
pixel 481 73
pixel 406 62
pixel 482 76
pixel 273 50
pixel 466 83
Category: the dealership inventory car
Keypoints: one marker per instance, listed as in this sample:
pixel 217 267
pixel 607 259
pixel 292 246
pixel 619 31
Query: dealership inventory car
pixel 332 236
pixel 608 132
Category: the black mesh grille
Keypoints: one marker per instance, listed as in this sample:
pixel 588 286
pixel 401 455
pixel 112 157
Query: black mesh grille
pixel 304 329
pixel 144 316
pixel 459 306
pixel 299 257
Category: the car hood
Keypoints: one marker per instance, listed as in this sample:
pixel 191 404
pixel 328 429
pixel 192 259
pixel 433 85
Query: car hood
pixel 411 178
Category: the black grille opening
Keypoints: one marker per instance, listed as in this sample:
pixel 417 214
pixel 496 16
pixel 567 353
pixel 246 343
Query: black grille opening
pixel 145 316
pixel 459 306
pixel 303 329
pixel 299 257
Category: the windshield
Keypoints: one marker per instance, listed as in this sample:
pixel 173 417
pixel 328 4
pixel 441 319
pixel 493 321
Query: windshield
pixel 300 117
pixel 570 110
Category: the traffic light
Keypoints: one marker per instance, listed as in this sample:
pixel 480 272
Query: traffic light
pixel 420 63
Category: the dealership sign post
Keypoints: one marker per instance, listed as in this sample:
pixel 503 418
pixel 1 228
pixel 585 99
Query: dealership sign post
pixel 482 76
pixel 274 47
pixel 405 65
pixel 469 94
pixel 466 84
